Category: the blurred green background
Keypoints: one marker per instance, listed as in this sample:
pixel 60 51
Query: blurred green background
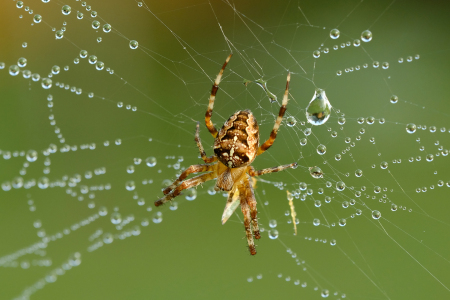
pixel 190 255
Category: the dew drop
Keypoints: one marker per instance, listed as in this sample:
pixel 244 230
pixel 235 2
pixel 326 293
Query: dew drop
pixel 411 128
pixel 130 185
pixel 340 186
pixel 108 238
pixel 37 18
pixel 59 34
pixel 191 194
pixel 99 65
pixel 366 36
pixel 14 70
pixel 316 172
pixel 291 121
pixel 32 155
pixel 66 9
pixel 22 62
pixel 107 28
pixel 376 214
pixel 92 59
pixel 95 24
pixel 150 161
pixel 134 44
pixel 46 83
pixel 321 149
pixel 273 223
pixel 116 218
pixel 335 33
pixel 319 108
pixel 273 234
pixel 157 217
pixel 394 99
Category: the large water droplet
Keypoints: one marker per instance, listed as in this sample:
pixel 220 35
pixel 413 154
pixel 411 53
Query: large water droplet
pixel 319 108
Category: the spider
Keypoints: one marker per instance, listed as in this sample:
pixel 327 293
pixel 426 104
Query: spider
pixel 236 146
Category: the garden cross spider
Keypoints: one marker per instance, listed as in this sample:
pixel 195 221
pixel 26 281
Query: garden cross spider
pixel 236 145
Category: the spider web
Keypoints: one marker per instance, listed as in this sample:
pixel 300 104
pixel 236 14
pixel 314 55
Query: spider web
pixel 84 160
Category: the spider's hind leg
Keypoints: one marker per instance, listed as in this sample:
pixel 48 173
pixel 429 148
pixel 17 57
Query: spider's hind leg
pixel 251 200
pixel 247 219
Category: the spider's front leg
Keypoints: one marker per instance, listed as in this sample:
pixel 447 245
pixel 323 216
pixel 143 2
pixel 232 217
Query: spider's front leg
pixel 192 169
pixel 205 158
pixel 277 124
pixel 214 90
pixel 193 182
pixel 252 172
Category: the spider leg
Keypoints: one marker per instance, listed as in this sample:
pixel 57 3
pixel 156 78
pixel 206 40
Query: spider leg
pixel 200 147
pixel 214 89
pixel 252 172
pixel 193 182
pixel 247 218
pixel 186 173
pixel 274 132
pixel 251 200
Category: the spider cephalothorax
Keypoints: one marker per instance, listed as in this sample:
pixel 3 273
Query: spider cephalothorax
pixel 236 146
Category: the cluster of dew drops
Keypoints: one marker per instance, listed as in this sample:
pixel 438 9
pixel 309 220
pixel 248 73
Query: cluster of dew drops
pixel 366 36
pixel 66 10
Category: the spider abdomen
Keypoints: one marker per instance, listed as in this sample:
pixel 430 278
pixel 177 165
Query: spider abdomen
pixel 238 140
